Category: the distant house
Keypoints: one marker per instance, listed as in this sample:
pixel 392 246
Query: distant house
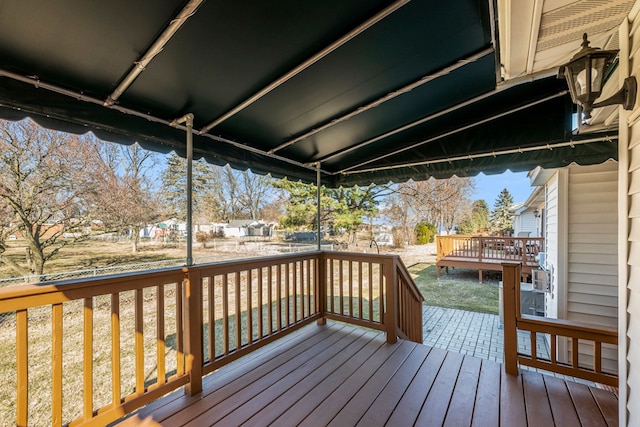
pixel 170 228
pixel 247 228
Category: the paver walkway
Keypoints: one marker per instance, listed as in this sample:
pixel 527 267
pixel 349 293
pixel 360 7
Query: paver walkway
pixel 476 334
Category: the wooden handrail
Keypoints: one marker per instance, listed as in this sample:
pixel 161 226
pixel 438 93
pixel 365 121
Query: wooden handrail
pixel 514 320
pixel 410 301
pixel 202 316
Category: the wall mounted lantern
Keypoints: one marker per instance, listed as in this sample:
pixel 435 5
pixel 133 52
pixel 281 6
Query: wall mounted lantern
pixel 585 76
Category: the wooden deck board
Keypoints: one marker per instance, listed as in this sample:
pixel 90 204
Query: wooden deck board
pixel 585 405
pixel 347 376
pixel 318 366
pixel 560 401
pixel 244 389
pixel 314 394
pixel 460 410
pixel 386 401
pixel 608 407
pixel 512 412
pixel 487 400
pixel 411 402
pixel 385 360
pixel 536 399
pixel 435 407
pixel 360 403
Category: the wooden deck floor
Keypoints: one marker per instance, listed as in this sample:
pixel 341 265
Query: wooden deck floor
pixel 345 376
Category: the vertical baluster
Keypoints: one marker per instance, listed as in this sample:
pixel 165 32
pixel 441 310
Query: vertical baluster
pixel 331 284
pixel 22 367
pixel 270 299
pixel 160 342
pixel 139 342
pixel 304 274
pixel 554 343
pixel 211 301
pixel 225 313
pixel 381 292
pixel 534 350
pixel 597 356
pixel 574 352
pixel 249 306
pixel 88 358
pixel 279 295
pixel 287 289
pixel 310 280
pixel 260 302
pixel 320 272
pixel 115 350
pixel 360 294
pixel 341 286
pixel 370 286
pixel 297 269
pixel 179 331
pixel 56 365
pixel 238 310
pixel 350 291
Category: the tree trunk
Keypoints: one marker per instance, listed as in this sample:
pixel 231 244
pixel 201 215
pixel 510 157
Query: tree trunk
pixel 135 238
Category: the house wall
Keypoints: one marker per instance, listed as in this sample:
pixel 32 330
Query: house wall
pixel 629 229
pixel 526 221
pixel 552 244
pixel 592 250
pixel 235 231
pixel 581 245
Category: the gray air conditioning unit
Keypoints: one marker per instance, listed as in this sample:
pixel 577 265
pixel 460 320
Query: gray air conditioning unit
pixel 541 280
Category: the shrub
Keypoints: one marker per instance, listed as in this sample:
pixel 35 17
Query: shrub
pixel 425 233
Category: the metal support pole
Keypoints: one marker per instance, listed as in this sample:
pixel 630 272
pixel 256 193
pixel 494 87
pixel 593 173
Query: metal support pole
pixel 318 201
pixel 188 119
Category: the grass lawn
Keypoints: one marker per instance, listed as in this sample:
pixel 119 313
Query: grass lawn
pixel 459 289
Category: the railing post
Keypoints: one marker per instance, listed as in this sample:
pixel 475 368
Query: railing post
pixel 321 287
pixel 193 330
pixel 391 299
pixel 511 311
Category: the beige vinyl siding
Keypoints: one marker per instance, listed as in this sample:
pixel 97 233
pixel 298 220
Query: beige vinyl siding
pixel 629 233
pixel 528 222
pixel 592 251
pixel 551 242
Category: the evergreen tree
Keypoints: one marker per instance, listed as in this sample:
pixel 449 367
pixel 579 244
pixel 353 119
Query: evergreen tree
pixel 501 219
pixel 477 220
pixel 343 208
pixel 174 185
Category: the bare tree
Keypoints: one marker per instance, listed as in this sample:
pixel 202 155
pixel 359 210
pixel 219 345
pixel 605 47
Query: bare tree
pixel 122 189
pixel 255 190
pixel 441 202
pixel 42 188
pixel 232 194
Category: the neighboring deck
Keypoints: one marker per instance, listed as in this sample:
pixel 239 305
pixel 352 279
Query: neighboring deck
pixel 341 375
pixel 488 253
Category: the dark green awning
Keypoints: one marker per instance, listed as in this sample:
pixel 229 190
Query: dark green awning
pixel 373 90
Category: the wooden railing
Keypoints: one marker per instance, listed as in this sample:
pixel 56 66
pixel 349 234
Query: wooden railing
pixel 555 328
pixel 121 342
pixel 356 292
pixel 486 248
